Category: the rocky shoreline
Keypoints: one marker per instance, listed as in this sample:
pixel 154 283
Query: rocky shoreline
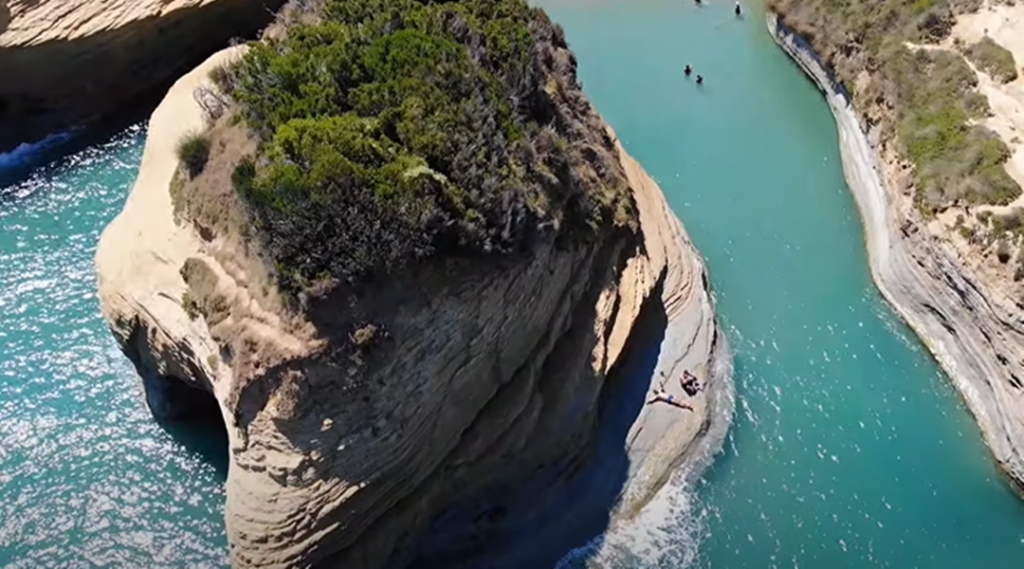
pixel 83 63
pixel 306 485
pixel 979 343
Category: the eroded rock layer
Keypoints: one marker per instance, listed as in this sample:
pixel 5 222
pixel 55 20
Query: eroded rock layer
pixel 978 342
pixel 490 377
pixel 66 63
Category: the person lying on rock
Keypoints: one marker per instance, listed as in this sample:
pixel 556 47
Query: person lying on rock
pixel 690 384
pixel 661 395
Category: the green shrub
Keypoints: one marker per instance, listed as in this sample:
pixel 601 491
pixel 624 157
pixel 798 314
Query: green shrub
pixel 190 306
pixel 967 232
pixel 993 59
pixel 193 151
pixel 395 130
pixel 243 177
pixel 933 92
pixel 222 77
pixel 1012 222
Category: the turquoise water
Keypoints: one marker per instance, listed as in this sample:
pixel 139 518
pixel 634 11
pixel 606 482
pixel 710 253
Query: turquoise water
pixel 849 448
pixel 87 478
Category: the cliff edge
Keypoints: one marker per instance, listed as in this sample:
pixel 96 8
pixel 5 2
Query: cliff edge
pixel 69 63
pixel 464 405
pixel 976 336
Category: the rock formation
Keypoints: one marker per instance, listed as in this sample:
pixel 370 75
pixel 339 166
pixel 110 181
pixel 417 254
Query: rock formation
pixel 67 63
pixel 505 400
pixel 978 340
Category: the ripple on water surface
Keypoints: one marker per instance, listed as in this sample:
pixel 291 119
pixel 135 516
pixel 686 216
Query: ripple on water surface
pixel 87 477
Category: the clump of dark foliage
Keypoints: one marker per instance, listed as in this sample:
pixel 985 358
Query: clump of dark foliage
pixel 394 130
pixel 193 150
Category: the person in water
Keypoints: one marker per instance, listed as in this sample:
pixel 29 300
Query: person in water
pixel 688 70
pixel 737 10
pixel 700 80
pixel 661 395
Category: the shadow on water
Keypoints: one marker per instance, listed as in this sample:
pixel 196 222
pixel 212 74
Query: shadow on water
pixel 57 151
pixel 204 436
pixel 563 506
pixel 191 416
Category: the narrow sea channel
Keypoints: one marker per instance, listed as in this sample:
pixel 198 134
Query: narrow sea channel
pixel 849 448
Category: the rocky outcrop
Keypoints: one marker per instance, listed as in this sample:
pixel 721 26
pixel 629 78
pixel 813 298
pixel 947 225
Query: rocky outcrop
pixel 73 62
pixel 978 342
pixel 502 402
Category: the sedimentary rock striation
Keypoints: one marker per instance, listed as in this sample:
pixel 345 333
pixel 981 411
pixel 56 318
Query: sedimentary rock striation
pixel 500 389
pixel 978 342
pixel 66 63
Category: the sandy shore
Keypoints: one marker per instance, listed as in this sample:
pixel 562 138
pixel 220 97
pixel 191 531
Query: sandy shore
pixel 979 344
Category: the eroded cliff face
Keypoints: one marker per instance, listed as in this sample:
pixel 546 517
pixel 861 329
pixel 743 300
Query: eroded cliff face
pixel 67 63
pixel 977 336
pixel 490 393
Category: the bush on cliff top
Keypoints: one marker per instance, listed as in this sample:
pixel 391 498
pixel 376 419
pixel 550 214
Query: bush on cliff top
pixel 938 108
pixel 193 151
pixel 394 130
pixel 993 59
pixel 933 92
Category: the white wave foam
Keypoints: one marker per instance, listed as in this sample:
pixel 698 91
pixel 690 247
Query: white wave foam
pixel 668 531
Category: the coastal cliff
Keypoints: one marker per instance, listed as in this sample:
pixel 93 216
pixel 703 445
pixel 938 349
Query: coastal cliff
pixel 977 337
pixel 463 408
pixel 70 63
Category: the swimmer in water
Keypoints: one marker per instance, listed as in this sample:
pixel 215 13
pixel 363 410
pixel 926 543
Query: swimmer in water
pixel 700 80
pixel 687 70
pixel 737 10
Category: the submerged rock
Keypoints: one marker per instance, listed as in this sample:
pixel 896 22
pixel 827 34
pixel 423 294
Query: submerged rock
pixel 463 409
pixel 67 63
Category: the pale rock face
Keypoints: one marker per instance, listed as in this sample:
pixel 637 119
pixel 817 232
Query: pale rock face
pixel 77 62
pixel 977 339
pixel 483 403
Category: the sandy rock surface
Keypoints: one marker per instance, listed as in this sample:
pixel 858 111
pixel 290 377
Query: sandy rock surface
pixel 67 63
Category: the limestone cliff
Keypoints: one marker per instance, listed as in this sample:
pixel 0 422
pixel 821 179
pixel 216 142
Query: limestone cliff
pixel 506 400
pixel 71 62
pixel 974 333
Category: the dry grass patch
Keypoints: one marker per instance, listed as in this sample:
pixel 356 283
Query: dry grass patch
pixel 204 293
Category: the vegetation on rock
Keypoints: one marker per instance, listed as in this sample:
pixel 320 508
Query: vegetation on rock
pixel 395 130
pixel 193 150
pixel 927 97
pixel 993 59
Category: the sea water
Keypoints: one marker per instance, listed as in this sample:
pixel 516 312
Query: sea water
pixel 849 447
pixel 87 477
